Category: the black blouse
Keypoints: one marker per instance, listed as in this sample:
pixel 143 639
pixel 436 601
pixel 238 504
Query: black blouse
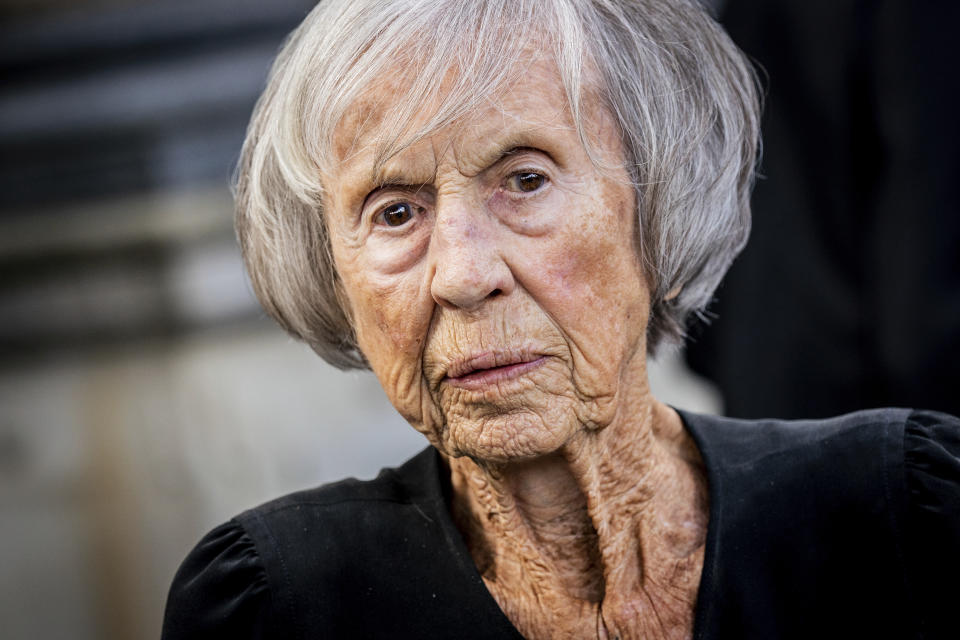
pixel 840 528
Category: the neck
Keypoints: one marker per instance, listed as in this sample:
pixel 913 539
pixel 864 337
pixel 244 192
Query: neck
pixel 602 538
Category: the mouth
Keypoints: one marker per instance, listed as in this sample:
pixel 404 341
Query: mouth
pixel 489 368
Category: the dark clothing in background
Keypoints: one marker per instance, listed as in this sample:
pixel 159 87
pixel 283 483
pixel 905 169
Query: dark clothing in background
pixel 843 528
pixel 848 293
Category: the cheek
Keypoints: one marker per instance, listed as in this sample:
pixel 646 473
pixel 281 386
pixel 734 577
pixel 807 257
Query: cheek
pixel 391 318
pixel 391 330
pixel 589 280
pixel 593 265
pixel 388 317
pixel 381 305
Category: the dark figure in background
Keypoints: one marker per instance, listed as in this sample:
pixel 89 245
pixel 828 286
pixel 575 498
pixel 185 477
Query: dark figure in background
pixel 848 294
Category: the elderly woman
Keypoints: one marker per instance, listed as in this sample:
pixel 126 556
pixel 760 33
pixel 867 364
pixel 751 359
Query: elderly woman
pixel 502 208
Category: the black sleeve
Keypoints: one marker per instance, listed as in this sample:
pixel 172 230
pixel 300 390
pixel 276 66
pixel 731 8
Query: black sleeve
pixel 220 590
pixel 932 527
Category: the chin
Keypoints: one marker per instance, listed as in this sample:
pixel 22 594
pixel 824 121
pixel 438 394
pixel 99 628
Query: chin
pixel 508 437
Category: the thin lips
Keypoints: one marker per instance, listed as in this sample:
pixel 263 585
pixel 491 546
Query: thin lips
pixel 487 360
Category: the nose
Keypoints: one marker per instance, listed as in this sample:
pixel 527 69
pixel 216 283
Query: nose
pixel 468 267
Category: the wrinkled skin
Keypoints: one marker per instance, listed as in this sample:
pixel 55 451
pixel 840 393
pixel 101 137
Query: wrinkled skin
pixel 497 294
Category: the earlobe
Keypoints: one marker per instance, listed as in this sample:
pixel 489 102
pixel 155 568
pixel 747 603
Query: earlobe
pixel 673 293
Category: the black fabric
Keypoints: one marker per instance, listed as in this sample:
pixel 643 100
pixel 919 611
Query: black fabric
pixel 831 529
pixel 843 528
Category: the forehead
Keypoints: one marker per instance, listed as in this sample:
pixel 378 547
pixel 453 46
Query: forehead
pixel 532 110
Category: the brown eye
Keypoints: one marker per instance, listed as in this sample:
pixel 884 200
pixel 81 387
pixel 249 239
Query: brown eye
pixel 526 181
pixel 397 214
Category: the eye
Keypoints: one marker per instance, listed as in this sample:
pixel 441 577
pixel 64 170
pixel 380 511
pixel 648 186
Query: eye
pixel 526 181
pixel 398 214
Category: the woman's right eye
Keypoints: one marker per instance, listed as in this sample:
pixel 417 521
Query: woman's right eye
pixel 397 214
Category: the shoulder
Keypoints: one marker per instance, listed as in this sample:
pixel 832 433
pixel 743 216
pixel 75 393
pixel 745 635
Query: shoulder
pixel 347 534
pixel 351 559
pixel 931 524
pixel 890 455
pixel 804 481
pixel 247 577
pixel 220 590
pixel 735 441
pixel 865 467
pixel 839 517
pixel 329 510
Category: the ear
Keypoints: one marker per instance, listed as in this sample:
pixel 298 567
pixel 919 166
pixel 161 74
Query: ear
pixel 673 293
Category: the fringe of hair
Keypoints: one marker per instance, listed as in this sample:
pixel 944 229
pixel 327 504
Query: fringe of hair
pixel 684 97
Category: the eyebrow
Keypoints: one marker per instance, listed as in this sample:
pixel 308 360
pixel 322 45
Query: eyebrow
pixel 518 150
pixel 519 140
pixel 414 188
pixel 399 176
pixel 392 172
pixel 507 141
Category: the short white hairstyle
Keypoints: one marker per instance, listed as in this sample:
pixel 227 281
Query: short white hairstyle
pixel 683 96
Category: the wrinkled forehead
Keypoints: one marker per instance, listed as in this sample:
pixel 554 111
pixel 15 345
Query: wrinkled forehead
pixel 373 130
pixel 413 73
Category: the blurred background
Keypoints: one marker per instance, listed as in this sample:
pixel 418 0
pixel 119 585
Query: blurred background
pixel 144 397
pixel 848 293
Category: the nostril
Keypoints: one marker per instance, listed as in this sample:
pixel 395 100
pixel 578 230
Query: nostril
pixel 494 293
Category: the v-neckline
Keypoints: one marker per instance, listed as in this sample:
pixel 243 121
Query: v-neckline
pixel 440 500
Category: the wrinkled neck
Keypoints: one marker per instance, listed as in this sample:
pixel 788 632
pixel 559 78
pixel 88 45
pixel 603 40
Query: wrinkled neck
pixel 598 522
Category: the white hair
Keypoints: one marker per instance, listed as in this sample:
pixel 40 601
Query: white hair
pixel 683 96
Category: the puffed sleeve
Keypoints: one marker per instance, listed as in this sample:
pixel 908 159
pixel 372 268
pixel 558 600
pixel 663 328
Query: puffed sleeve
pixel 932 526
pixel 220 590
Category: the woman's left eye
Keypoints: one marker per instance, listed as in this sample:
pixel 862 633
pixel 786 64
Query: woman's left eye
pixel 397 214
pixel 526 181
